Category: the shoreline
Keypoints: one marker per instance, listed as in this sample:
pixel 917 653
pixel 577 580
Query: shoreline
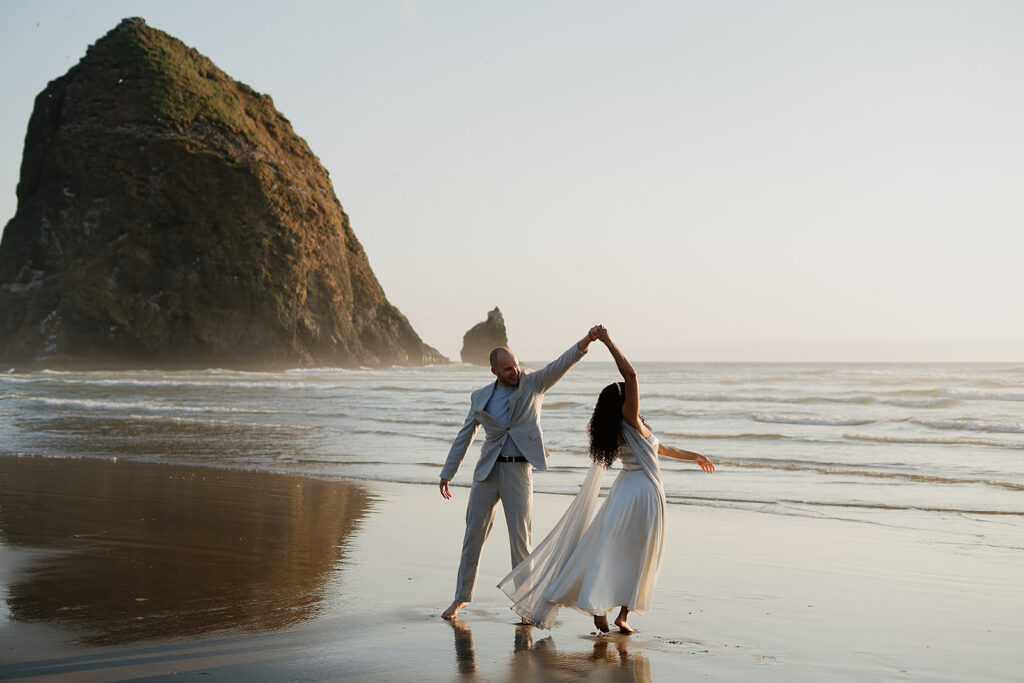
pixel 114 569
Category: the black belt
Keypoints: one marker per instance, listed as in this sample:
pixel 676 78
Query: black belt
pixel 517 458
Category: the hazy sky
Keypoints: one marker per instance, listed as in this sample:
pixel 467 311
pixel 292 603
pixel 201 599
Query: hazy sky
pixel 774 180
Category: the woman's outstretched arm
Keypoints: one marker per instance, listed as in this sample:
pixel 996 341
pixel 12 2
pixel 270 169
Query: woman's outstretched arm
pixel 631 405
pixel 680 454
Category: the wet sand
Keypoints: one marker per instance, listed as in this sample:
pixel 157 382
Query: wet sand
pixel 118 570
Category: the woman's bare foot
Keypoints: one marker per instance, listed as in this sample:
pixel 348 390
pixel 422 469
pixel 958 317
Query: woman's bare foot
pixel 601 622
pixel 525 622
pixel 620 621
pixel 453 609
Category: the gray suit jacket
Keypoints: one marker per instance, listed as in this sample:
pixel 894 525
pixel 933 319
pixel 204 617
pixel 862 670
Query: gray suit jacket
pixel 523 420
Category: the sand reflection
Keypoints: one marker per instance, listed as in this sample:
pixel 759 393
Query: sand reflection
pixel 609 658
pixel 146 552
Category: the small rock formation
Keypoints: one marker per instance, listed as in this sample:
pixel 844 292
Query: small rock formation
pixel 481 339
pixel 168 216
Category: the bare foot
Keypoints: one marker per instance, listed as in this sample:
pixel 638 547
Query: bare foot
pixel 525 622
pixel 601 623
pixel 620 621
pixel 453 609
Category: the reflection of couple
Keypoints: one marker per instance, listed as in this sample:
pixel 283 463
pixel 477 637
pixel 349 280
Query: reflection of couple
pixel 541 660
pixel 592 565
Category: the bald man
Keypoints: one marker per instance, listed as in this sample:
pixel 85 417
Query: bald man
pixel 509 411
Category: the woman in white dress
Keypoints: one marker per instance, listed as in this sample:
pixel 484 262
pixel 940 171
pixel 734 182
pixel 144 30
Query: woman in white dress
pixel 612 561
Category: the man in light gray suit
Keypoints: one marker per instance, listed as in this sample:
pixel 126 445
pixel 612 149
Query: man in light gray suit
pixel 509 411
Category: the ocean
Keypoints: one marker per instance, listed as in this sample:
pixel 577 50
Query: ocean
pixel 933 446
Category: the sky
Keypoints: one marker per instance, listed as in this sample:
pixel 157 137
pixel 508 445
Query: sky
pixel 714 181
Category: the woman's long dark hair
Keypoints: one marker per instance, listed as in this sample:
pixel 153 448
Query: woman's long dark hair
pixel 604 424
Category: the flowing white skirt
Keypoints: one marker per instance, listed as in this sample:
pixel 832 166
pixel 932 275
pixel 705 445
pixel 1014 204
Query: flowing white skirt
pixel 595 568
pixel 618 560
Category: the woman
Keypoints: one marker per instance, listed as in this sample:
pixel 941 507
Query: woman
pixel 613 561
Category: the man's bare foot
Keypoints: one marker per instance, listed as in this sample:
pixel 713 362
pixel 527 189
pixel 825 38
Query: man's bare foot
pixel 525 622
pixel 601 622
pixel 453 609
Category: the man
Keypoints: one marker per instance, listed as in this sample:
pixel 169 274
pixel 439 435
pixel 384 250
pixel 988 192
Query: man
pixel 509 411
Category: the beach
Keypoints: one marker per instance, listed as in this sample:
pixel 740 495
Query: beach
pixel 115 569
pixel 243 281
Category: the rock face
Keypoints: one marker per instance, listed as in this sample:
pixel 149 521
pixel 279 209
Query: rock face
pixel 168 216
pixel 481 339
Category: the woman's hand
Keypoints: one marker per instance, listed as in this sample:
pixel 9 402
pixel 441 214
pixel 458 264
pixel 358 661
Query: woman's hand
pixel 705 464
pixel 601 334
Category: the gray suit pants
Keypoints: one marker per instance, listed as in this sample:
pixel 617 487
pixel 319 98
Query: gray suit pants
pixel 512 484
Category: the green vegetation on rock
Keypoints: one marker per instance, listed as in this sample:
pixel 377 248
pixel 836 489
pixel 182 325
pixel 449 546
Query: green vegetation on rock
pixel 178 84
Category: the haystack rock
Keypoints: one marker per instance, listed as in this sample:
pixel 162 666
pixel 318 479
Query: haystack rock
pixel 168 216
pixel 481 339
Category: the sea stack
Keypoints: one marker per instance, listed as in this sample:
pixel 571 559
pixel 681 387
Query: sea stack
pixel 168 216
pixel 478 342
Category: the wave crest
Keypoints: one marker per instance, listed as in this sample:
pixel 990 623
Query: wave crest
pixel 971 425
pixel 818 420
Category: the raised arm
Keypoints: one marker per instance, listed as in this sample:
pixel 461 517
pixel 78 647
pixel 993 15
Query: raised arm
pixel 584 344
pixel 631 405
pixel 546 377
pixel 680 454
